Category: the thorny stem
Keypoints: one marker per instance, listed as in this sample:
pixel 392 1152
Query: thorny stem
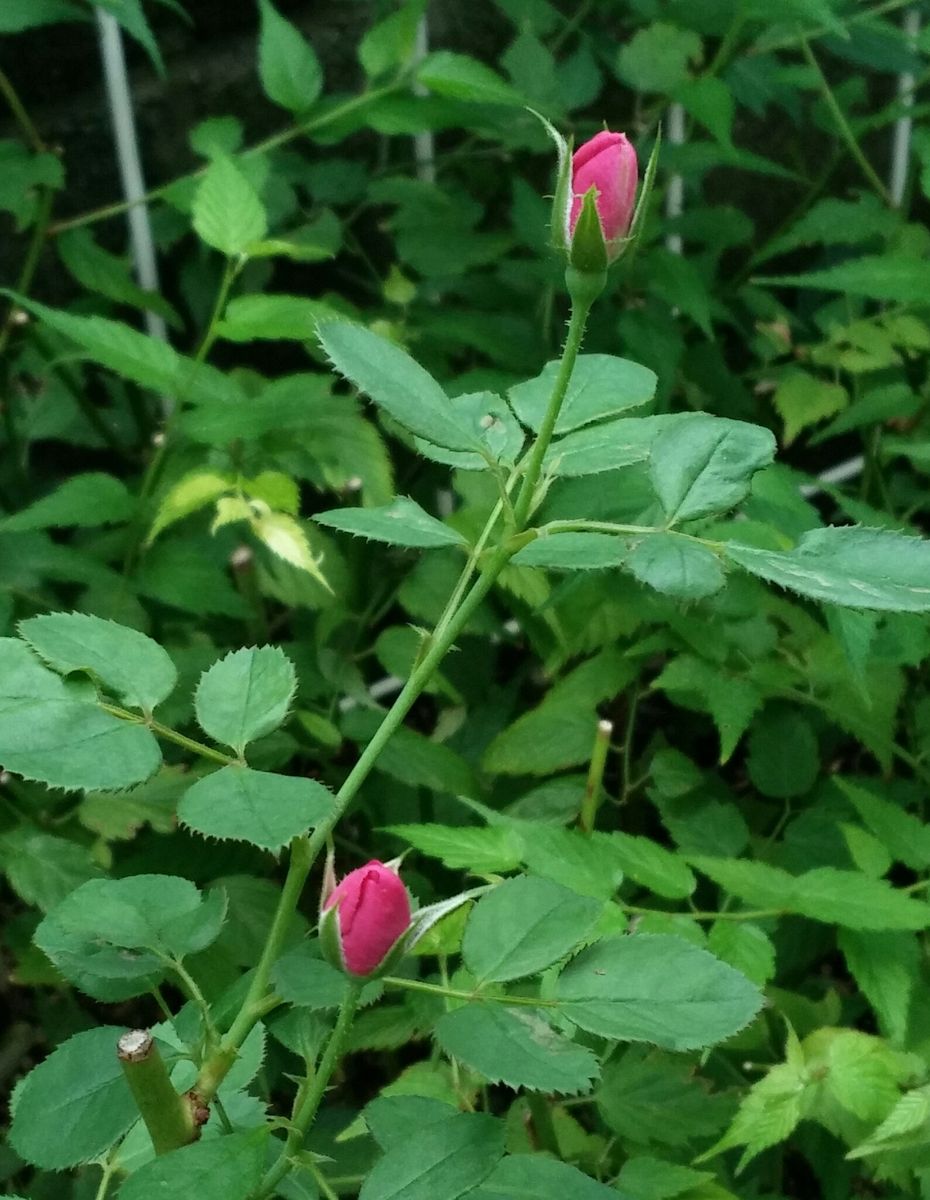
pixel 309 1100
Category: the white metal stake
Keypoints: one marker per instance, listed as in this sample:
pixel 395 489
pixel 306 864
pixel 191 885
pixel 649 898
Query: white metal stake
pixel 675 193
pixel 119 99
pixel 903 127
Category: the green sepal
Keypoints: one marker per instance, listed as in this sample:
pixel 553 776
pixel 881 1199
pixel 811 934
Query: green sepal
pixel 588 254
pixel 562 199
pixel 633 238
pixel 330 939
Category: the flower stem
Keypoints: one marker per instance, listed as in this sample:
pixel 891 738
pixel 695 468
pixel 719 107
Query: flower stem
pixel 526 495
pixel 309 1100
pixel 592 793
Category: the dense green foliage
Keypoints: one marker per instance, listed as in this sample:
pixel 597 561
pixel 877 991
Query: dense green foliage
pixel 662 805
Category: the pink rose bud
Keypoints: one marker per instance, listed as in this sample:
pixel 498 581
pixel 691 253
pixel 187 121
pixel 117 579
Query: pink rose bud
pixel 364 917
pixel 608 164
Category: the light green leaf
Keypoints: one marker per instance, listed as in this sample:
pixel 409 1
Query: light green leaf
pixel 601 386
pixel 536 1177
pixel 227 213
pixel 702 465
pixel 744 946
pixel 516 1047
pixel 481 850
pixel 221 1168
pixel 254 806
pixel 188 495
pixel 464 78
pixel 396 383
pixel 111 937
pixel 134 667
pixel 84 501
pixel 768 1114
pixel 850 565
pixel 390 43
pixel 645 1178
pixel 574 552
pixel 74 1105
pixel 523 926
pixel 390 1118
pixel 676 566
pixel 108 274
pixel 52 732
pixel 655 988
pixel 443 1162
pixel 801 400
pixel 589 864
pixel 877 277
pixel 401 523
pixel 245 695
pixel 289 69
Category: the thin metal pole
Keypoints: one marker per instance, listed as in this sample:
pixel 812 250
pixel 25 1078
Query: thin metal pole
pixel 119 99
pixel 675 193
pixel 903 128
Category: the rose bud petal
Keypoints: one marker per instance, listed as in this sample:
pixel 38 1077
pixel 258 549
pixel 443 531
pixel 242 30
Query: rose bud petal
pixel 365 916
pixel 607 163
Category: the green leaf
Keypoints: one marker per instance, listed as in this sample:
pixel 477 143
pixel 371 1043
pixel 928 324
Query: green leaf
pixel 849 565
pixel 220 1168
pixel 109 275
pixel 73 1106
pixel 744 946
pixel 245 695
pixel 645 1178
pixel 490 423
pixel 606 446
pixel 84 501
pixel 135 668
pixel 652 866
pixel 535 1177
pixel 43 869
pixel 702 465
pixel 768 1114
pixel 390 43
pixel 773 771
pixel 289 69
pixel 390 1118
pixel 836 897
pixel 464 78
pixel 227 213
pixel 401 523
pixel 902 833
pixel 887 969
pixel 395 383
pixel 710 101
pixel 589 864
pixel 876 277
pixel 271 317
pixel 18 15
pixel 302 978
pixel 574 552
pixel 145 360
pixel 57 734
pixel 655 988
pixel 523 926
pixel 676 566
pixel 657 58
pixel 112 937
pixel 516 1047
pixel 480 850
pixel 443 1162
pixel 254 806
pixel 601 386
pixel 642 1087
